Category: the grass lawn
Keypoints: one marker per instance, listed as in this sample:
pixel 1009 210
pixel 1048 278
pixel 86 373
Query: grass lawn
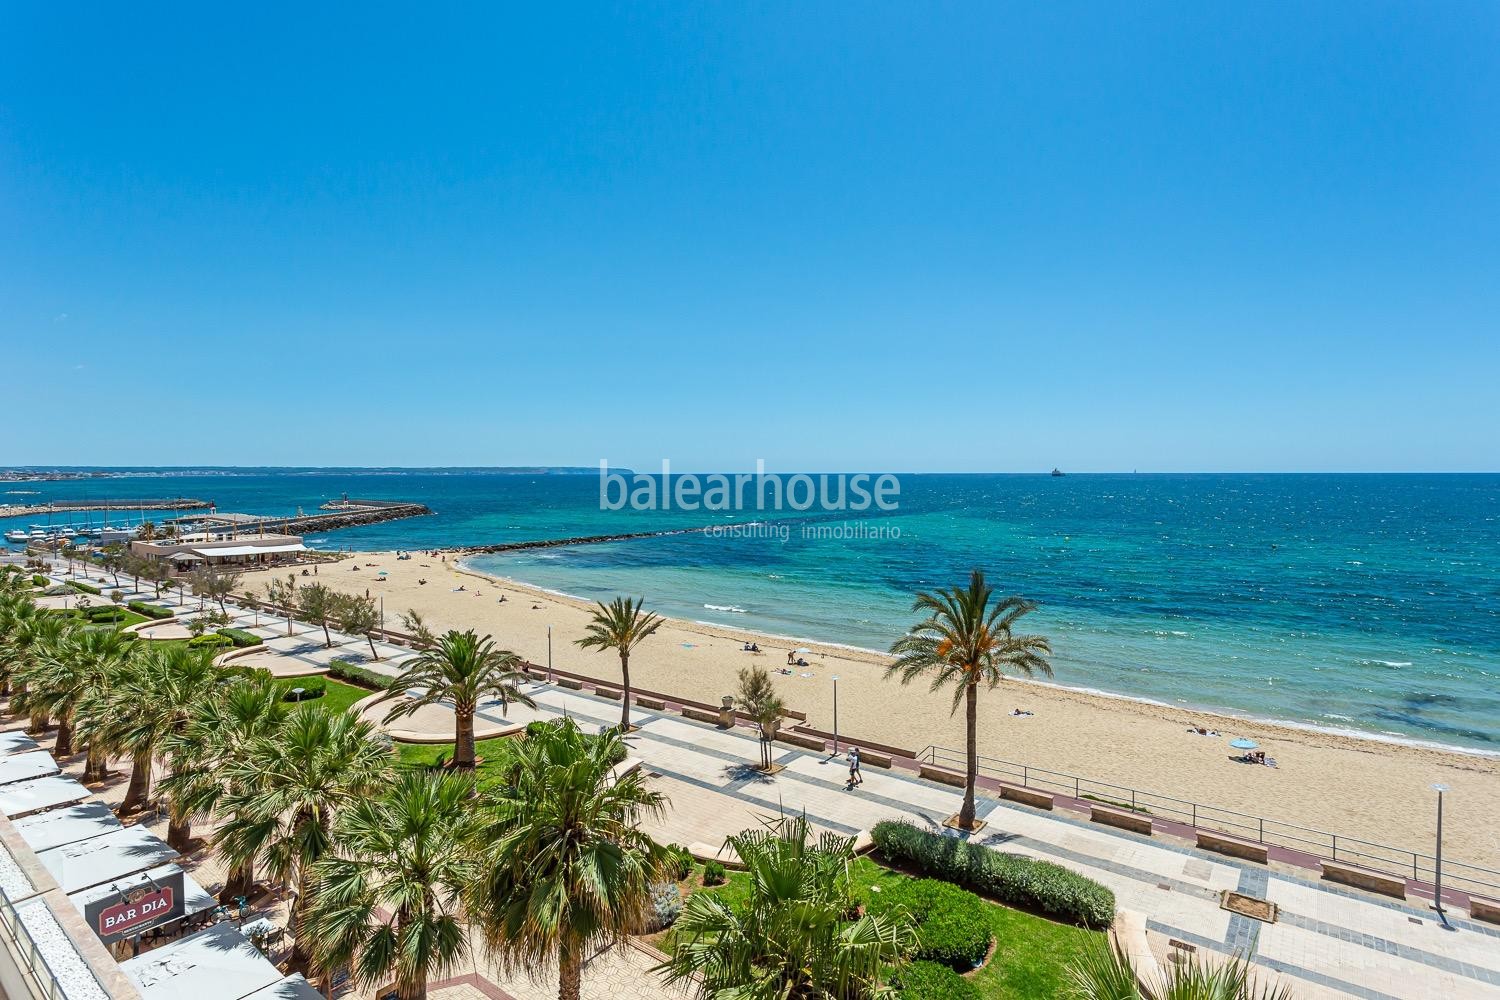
pixel 1030 954
pixel 339 696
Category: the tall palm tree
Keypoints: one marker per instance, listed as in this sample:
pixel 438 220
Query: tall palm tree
pixel 152 699
pixel 79 661
pixel 25 648
pixel 967 641
pixel 565 869
pixel 17 610
pixel 620 625
pixel 386 903
pixel 462 668
pixel 1105 972
pixel 217 731
pixel 287 788
pixel 796 936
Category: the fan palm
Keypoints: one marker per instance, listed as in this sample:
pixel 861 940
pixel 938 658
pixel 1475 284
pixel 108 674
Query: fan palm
pixel 17 610
pixel 151 699
pixel 620 625
pixel 967 641
pixel 79 661
pixel 797 936
pixel 386 903
pixel 565 870
pixel 462 668
pixel 1104 972
pixel 26 647
pixel 218 729
pixel 286 789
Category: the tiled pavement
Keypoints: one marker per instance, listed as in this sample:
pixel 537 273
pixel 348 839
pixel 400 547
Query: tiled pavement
pixel 1328 941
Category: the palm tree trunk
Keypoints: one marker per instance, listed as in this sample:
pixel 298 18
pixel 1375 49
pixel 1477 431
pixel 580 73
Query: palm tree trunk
pixel 94 765
pixel 140 783
pixel 569 977
pixel 300 955
pixel 412 991
pixel 327 639
pixel 38 724
pixel 463 740
pixel 64 745
pixel 971 717
pixel 240 881
pixel 179 832
pixel 624 692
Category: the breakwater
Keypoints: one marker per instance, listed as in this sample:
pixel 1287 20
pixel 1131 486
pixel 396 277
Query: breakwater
pixel 83 506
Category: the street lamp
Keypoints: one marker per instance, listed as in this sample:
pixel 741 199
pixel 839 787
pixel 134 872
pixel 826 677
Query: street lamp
pixel 1437 870
pixel 835 715
pixel 550 678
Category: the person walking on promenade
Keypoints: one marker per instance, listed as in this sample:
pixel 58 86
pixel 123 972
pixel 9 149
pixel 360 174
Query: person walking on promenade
pixel 855 778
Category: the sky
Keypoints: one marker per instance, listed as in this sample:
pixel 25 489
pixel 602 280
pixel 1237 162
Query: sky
pixel 833 236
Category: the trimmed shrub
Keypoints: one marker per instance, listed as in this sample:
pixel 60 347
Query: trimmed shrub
pixel 104 614
pixel 930 981
pixel 149 610
pixel 240 637
pixel 210 641
pixel 952 926
pixel 38 580
pixel 346 671
pixel 86 588
pixel 312 687
pixel 714 873
pixel 1009 878
pixel 679 862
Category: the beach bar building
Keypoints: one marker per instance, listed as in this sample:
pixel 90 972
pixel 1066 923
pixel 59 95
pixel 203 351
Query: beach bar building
pixel 186 554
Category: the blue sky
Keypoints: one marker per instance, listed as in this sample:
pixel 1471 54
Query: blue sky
pixel 834 236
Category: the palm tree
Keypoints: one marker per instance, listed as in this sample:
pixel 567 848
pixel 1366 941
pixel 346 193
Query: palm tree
pixel 217 730
pixel 759 699
pixel 149 701
pixel 798 935
pixel 287 787
pixel 565 870
pixel 1104 972
pixel 967 641
pixel 28 644
pixel 17 611
pixel 386 903
pixel 80 661
pixel 461 669
pixel 620 625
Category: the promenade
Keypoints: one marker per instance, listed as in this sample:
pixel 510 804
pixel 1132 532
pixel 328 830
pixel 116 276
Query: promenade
pixel 1328 940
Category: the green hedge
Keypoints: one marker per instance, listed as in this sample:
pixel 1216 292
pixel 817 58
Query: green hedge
pixel 1009 878
pixel 210 641
pixel 312 687
pixel 931 981
pixel 240 637
pixel 87 588
pixel 38 580
pixel 346 671
pixel 101 614
pixel 952 926
pixel 149 610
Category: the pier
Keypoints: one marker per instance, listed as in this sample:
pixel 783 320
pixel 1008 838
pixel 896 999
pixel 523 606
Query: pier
pixel 84 506
pixel 340 514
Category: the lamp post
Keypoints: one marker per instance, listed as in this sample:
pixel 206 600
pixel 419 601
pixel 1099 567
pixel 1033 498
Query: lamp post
pixel 1437 868
pixel 550 678
pixel 835 715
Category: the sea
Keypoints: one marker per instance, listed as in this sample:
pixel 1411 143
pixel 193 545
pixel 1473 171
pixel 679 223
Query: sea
pixel 1363 603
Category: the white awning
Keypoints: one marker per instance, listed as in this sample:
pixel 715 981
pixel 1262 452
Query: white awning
pixel 26 797
pixel 217 962
pixel 185 557
pixel 112 855
pixel 251 550
pixel 195 900
pixel 14 742
pixel 25 766
pixel 47 830
pixel 290 988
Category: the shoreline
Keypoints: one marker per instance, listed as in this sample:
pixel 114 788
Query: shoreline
pixel 1356 785
pixel 880 657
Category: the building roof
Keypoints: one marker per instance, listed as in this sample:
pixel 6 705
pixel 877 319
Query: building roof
pixel 250 550
pixel 216 962
pixel 16 743
pixel 25 766
pixel 26 797
pixel 47 830
pixel 112 855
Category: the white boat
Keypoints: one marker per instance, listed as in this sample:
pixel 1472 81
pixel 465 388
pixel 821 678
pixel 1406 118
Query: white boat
pixel 17 536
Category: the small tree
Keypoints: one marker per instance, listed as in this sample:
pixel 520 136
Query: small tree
pixel 318 604
pixel 112 557
pixel 413 622
pixel 358 616
pixel 215 583
pixel 760 701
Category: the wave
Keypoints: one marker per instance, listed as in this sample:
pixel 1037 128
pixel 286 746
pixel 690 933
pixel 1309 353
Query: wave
pixel 726 607
pixel 1393 664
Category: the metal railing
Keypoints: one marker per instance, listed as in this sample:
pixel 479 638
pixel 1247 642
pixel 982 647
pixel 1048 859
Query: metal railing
pixel 25 948
pixel 1383 858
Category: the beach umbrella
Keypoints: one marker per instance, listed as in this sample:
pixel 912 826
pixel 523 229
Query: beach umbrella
pixel 1243 744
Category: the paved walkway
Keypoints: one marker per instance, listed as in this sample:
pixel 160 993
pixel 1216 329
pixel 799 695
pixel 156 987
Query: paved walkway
pixel 1328 941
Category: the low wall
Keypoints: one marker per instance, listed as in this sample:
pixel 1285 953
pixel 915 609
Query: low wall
pixel 805 742
pixel 700 715
pixel 1026 796
pixel 1364 878
pixel 1222 843
pixel 1121 819
pixel 1487 910
pixel 942 774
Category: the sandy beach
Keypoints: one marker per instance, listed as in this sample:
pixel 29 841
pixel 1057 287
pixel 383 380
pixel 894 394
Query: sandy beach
pixel 1344 784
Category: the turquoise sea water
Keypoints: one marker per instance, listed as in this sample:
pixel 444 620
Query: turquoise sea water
pixel 1364 602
